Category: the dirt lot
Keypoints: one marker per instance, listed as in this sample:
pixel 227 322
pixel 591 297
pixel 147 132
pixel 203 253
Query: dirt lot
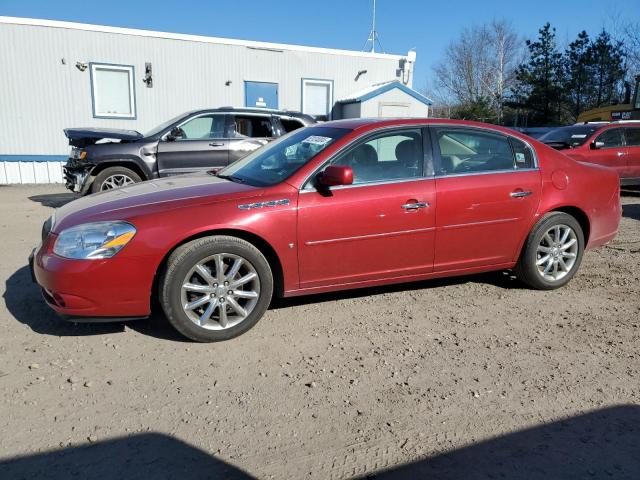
pixel 471 377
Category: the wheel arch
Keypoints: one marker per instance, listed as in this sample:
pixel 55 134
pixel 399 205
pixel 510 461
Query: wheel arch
pixel 581 217
pixel 256 240
pixel 130 164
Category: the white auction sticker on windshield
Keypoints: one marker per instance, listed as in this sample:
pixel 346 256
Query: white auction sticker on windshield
pixel 579 135
pixel 520 158
pixel 316 140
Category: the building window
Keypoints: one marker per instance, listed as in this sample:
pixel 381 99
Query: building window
pixel 112 91
pixel 317 97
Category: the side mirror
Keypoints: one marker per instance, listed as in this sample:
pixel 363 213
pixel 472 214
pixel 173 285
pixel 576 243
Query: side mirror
pixel 335 175
pixel 175 134
pixel 597 145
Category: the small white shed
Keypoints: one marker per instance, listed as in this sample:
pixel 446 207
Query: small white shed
pixel 383 100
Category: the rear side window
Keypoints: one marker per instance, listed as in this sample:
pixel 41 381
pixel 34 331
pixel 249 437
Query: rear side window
pixel 522 154
pixel 466 151
pixel 633 137
pixel 290 124
pixel 247 126
pixel 611 138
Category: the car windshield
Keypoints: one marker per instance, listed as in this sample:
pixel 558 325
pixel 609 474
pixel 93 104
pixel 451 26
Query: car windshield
pixel 162 126
pixel 278 160
pixel 572 136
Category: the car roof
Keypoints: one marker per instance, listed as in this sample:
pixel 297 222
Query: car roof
pixel 284 113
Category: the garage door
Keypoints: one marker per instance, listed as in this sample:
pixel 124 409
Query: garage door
pixel 386 110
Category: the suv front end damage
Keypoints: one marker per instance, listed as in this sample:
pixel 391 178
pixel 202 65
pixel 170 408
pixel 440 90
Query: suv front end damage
pixel 77 171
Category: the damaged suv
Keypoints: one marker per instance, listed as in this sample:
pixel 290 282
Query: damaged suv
pixel 201 140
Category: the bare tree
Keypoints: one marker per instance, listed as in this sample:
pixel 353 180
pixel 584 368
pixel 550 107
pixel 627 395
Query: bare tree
pixel 479 67
pixel 631 38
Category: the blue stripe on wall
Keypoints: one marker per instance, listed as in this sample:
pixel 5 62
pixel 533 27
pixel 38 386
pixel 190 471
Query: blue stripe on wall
pixel 33 158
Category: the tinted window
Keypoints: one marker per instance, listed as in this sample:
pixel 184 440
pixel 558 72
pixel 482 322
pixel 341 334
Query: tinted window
pixel 279 159
pixel 522 153
pixel 611 138
pixel 290 124
pixel 387 156
pixel 205 127
pixel 633 137
pixel 464 150
pixel 572 136
pixel 252 127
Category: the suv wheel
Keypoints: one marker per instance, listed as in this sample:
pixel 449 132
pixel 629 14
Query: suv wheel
pixel 114 177
pixel 215 288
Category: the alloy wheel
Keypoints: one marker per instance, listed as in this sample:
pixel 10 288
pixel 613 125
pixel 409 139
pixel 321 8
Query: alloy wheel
pixel 557 252
pixel 116 181
pixel 220 291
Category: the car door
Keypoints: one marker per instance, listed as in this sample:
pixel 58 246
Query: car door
pixel 248 132
pixel 199 146
pixel 382 226
pixel 488 188
pixel 632 137
pixel 608 149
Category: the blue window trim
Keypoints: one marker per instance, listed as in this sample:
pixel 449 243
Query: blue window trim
pixel 33 158
pixel 327 80
pixel 133 84
pixel 268 83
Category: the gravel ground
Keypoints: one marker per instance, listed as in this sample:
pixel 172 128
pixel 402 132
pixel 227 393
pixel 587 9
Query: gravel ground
pixel 472 377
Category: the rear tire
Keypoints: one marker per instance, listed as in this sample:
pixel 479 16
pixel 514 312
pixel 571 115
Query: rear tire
pixel 215 288
pixel 114 177
pixel 552 253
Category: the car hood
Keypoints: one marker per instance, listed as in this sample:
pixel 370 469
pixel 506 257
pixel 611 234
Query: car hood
pixel 81 137
pixel 150 196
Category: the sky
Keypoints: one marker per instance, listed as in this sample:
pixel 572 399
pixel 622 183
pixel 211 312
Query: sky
pixel 426 26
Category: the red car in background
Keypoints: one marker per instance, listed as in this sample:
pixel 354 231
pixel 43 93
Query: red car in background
pixel 340 205
pixel 615 145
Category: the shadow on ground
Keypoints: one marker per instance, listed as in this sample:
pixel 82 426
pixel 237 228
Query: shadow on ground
pixel 54 200
pixel 631 210
pixel 152 456
pixel 600 444
pixel 24 301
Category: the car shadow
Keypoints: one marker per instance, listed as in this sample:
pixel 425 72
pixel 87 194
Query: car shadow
pixel 149 455
pixel 501 279
pixel 600 444
pixel 54 200
pixel 631 210
pixel 603 443
pixel 24 301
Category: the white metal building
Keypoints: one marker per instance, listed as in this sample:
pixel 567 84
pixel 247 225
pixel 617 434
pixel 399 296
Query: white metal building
pixel 56 75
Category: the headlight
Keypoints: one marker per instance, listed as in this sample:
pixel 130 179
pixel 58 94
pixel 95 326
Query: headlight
pixel 78 154
pixel 94 240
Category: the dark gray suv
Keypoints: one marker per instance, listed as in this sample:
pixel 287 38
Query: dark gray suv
pixel 201 140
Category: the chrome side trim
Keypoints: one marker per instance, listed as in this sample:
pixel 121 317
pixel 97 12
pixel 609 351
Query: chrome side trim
pixel 312 243
pixel 268 204
pixel 475 224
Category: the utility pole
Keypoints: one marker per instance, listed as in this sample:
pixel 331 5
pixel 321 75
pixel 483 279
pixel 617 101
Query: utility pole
pixel 373 34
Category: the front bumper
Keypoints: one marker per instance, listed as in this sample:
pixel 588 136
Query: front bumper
pixel 76 175
pixel 91 290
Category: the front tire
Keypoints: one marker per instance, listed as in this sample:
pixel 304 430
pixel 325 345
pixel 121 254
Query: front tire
pixel 215 288
pixel 114 177
pixel 552 253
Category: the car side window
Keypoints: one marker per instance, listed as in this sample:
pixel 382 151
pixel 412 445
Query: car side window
pixel 466 151
pixel 387 156
pixel 291 124
pixel 202 128
pixel 522 153
pixel 248 126
pixel 611 138
pixel 633 137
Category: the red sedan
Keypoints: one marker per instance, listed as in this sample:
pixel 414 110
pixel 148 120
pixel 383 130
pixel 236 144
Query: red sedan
pixel 340 205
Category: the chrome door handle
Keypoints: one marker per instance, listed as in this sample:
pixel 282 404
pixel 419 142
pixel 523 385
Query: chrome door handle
pixel 414 206
pixel 620 154
pixel 216 144
pixel 520 194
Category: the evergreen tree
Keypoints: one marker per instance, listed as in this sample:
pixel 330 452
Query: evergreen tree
pixel 577 78
pixel 608 69
pixel 541 79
